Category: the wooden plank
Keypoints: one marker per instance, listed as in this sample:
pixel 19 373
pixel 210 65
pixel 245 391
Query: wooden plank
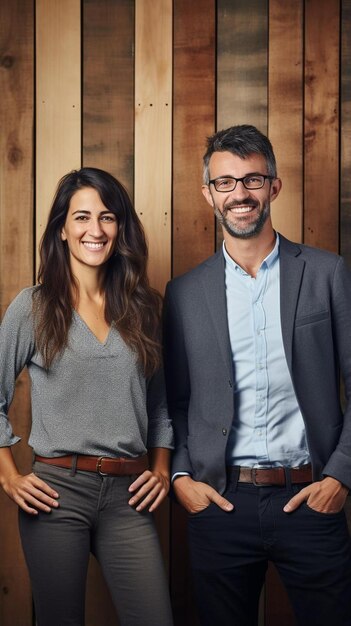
pixel 193 220
pixel 153 136
pixel 193 121
pixel 242 66
pixel 285 112
pixel 58 106
pixel 16 263
pixel 285 124
pixel 321 197
pixel 242 63
pixel 345 132
pixel 153 131
pixel 108 93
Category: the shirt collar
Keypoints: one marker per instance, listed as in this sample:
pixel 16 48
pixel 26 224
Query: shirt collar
pixel 267 262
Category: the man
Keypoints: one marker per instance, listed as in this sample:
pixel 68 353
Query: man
pixel 254 338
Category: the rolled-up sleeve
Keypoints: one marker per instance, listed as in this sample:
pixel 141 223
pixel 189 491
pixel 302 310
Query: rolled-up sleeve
pixel 160 431
pixel 16 348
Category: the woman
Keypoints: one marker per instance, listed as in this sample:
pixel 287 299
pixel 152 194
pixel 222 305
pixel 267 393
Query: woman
pixel 89 335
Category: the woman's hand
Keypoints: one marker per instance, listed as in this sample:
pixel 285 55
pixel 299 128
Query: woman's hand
pixel 152 486
pixel 30 493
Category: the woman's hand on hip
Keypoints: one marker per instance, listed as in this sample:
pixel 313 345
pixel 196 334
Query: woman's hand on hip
pixel 149 489
pixel 30 493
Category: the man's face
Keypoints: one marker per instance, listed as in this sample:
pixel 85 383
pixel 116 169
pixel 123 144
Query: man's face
pixel 242 212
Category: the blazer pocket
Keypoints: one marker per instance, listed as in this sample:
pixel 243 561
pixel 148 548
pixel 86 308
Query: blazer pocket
pixel 313 318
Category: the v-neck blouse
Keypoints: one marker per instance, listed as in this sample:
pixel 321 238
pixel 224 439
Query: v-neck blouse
pixel 93 400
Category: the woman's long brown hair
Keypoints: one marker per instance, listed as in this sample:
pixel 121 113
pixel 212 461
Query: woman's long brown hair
pixel 130 303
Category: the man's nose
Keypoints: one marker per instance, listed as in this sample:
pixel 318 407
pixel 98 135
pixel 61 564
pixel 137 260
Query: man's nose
pixel 240 190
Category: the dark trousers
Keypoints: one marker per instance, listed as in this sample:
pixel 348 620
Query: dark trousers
pixel 230 553
pixel 94 517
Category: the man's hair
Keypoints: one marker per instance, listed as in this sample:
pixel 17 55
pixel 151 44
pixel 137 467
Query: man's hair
pixel 242 141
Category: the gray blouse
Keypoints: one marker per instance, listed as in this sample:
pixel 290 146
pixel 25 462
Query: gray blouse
pixel 93 400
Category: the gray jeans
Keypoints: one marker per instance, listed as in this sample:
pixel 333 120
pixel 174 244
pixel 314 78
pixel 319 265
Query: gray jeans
pixel 93 516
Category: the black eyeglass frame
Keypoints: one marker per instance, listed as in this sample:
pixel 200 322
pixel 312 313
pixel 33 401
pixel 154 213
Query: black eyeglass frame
pixel 240 180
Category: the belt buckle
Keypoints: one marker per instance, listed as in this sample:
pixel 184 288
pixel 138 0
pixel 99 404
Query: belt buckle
pixel 98 466
pixel 254 481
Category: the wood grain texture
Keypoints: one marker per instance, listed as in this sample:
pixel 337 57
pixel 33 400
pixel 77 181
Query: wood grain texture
pixel 345 132
pixel 242 54
pixel 242 66
pixel 153 131
pixel 193 121
pixel 285 112
pixel 58 99
pixel 321 185
pixel 16 267
pixel 193 221
pixel 108 87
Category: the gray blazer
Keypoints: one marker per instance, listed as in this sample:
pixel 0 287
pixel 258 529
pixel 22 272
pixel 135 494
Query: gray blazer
pixel 315 294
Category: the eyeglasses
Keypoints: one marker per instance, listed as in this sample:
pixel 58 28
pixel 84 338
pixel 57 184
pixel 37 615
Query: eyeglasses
pixel 228 183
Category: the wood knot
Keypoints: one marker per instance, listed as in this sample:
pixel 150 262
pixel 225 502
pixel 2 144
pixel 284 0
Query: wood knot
pixel 15 156
pixel 7 61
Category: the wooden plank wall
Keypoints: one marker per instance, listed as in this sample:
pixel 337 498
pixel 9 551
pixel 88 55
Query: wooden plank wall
pixel 134 87
pixel 16 264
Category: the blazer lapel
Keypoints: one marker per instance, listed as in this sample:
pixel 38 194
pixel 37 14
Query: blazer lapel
pixel 213 282
pixel 291 272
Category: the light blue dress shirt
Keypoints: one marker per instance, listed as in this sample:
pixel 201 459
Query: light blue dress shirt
pixel 268 428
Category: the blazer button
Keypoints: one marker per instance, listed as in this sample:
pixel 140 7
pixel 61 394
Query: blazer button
pixel 224 431
pixel 230 383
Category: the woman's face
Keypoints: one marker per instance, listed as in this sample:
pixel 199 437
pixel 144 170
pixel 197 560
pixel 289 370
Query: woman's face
pixel 90 229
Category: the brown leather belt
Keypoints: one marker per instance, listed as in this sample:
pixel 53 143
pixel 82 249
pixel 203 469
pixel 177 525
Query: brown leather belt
pixel 275 476
pixel 103 465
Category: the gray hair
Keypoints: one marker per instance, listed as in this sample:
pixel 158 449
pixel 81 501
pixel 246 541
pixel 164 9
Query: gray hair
pixel 242 141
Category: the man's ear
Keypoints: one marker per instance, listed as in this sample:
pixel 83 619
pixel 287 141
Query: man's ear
pixel 276 186
pixel 206 192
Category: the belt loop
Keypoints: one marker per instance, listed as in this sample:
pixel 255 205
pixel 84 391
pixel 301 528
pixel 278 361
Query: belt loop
pixel 233 472
pixel 74 464
pixel 287 478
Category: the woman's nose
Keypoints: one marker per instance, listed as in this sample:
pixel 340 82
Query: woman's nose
pixel 95 228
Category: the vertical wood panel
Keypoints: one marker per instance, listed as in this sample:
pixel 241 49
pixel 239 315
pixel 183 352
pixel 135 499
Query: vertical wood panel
pixel 285 112
pixel 242 63
pixel 242 66
pixel 16 263
pixel 153 131
pixel 322 38
pixel 152 162
pixel 345 134
pixel 193 220
pixel 193 121
pixel 108 92
pixel 58 127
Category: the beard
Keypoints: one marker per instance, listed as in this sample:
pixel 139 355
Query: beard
pixel 238 228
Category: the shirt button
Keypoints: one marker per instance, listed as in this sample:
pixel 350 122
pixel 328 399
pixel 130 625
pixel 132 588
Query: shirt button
pixel 224 431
